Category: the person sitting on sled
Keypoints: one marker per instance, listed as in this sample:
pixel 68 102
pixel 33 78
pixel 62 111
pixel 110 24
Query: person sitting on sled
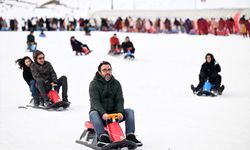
pixel 128 48
pixel 105 98
pixel 31 44
pixel 115 47
pixel 46 78
pixel 127 45
pixel 209 71
pixel 79 47
pixel 24 64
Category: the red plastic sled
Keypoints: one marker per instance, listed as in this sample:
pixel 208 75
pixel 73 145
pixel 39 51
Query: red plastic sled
pixel 89 137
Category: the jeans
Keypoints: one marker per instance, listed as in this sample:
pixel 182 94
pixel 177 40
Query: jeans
pixel 99 123
pixel 33 89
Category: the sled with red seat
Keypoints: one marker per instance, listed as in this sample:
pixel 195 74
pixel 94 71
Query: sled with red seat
pixel 89 137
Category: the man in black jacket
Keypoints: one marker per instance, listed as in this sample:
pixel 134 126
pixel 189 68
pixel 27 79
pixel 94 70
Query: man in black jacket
pixel 106 97
pixel 209 71
pixel 46 77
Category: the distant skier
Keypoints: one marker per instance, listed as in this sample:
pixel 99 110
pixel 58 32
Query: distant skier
pixel 115 47
pixel 31 44
pixel 46 77
pixel 79 47
pixel 105 98
pixel 210 71
pixel 128 48
pixel 24 64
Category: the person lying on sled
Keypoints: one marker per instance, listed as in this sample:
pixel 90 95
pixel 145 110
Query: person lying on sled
pixel 105 98
pixel 78 46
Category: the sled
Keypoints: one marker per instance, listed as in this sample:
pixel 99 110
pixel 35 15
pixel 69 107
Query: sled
pixel 129 56
pixel 207 90
pixel 89 138
pixel 57 103
pixel 56 100
pixel 31 47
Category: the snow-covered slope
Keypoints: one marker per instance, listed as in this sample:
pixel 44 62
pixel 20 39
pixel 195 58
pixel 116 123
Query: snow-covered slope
pixel 156 85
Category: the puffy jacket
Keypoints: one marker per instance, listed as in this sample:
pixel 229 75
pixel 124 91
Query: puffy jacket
pixel 106 96
pixel 114 41
pixel 43 72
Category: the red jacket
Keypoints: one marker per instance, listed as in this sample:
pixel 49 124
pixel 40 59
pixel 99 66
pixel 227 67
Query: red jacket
pixel 114 41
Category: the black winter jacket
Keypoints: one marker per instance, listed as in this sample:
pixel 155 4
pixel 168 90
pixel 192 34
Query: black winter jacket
pixel 126 45
pixel 106 96
pixel 30 38
pixel 27 76
pixel 76 45
pixel 43 72
pixel 210 70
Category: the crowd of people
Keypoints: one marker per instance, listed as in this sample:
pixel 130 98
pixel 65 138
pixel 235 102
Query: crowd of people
pixel 216 26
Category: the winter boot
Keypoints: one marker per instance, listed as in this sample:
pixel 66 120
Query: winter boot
pixel 36 101
pixel 103 140
pixel 47 103
pixel 65 99
pixel 131 137
pixel 221 89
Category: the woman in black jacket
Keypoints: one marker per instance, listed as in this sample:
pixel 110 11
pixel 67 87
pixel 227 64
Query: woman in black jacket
pixel 24 64
pixel 79 47
pixel 209 71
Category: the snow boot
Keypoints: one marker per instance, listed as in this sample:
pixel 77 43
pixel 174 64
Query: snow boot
pixel 221 89
pixel 131 137
pixel 47 103
pixel 103 140
pixel 65 99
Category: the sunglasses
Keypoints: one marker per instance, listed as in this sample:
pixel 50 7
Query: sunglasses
pixel 107 70
pixel 40 58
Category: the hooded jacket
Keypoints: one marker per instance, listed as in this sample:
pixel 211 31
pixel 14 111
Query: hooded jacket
pixel 106 96
pixel 210 70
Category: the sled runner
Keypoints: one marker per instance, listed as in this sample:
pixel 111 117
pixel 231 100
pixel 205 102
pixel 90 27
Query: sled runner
pixel 129 55
pixel 89 137
pixel 207 90
pixel 57 103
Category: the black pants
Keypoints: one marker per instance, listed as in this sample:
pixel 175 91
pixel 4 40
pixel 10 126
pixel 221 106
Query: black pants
pixel 216 81
pixel 44 88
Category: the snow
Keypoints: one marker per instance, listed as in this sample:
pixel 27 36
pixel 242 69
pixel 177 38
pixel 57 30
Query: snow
pixel 156 85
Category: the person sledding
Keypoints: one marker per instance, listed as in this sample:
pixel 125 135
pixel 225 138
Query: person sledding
pixel 209 72
pixel 128 48
pixel 106 97
pixel 115 47
pixel 46 79
pixel 79 47
pixel 31 44
pixel 24 64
